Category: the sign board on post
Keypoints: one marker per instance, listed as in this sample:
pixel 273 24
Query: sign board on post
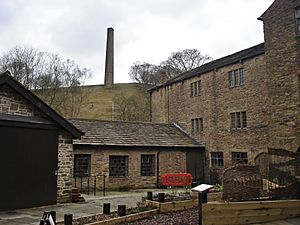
pixel 202 190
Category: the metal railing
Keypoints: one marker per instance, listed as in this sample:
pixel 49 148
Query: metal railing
pixel 90 184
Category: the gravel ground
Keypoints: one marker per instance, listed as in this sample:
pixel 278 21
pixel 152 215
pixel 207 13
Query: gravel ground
pixel 187 217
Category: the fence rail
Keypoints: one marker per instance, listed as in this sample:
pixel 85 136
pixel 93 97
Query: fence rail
pixel 90 185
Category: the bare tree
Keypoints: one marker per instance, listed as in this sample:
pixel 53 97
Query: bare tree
pixel 131 107
pixel 52 78
pixel 144 73
pixel 178 62
pixel 186 60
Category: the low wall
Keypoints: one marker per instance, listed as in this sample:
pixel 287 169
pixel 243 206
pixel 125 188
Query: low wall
pixel 127 219
pixel 173 206
pixel 249 212
pixel 117 220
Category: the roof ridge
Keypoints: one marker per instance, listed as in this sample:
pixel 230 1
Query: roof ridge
pixel 222 61
pixel 119 121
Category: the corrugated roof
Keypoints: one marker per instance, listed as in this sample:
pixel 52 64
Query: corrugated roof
pixel 216 64
pixel 99 132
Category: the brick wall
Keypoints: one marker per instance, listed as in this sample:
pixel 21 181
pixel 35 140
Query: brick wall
pixel 170 161
pixel 217 100
pixel 283 74
pixel 14 104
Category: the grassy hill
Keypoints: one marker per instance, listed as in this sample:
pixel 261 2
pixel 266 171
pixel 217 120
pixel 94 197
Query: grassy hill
pixel 98 100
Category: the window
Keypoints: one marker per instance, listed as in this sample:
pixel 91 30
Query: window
pixel 147 165
pixel 82 165
pixel 297 16
pixel 196 88
pixel 239 157
pixel 217 159
pixel 197 125
pixel 118 166
pixel 236 78
pixel 238 120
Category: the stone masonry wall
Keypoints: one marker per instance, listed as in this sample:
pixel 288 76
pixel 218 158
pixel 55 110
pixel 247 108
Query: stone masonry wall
pixel 170 161
pixel 282 44
pixel 65 167
pixel 14 104
pixel 217 100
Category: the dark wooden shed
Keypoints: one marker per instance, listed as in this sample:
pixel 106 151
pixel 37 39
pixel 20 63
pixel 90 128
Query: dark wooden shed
pixel 31 135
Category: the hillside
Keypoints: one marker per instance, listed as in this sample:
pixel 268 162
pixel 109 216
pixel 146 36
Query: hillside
pixel 98 100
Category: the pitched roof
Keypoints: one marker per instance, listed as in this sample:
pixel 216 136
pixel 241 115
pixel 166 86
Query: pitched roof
pixel 116 133
pixel 216 64
pixel 6 78
pixel 261 17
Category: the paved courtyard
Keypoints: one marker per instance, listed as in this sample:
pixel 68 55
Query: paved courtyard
pixel 93 206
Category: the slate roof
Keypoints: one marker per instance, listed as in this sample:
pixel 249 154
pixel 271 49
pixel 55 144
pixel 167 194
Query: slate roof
pixel 116 133
pixel 216 64
pixel 6 78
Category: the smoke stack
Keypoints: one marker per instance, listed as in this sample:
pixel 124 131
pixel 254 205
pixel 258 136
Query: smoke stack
pixel 109 61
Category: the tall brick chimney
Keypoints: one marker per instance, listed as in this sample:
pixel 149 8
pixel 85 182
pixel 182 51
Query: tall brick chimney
pixel 109 61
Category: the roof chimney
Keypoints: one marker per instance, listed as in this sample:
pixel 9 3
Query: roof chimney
pixel 109 61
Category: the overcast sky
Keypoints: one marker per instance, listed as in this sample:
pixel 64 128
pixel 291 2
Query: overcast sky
pixel 145 30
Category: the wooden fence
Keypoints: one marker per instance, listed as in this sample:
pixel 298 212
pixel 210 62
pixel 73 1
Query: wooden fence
pixel 234 213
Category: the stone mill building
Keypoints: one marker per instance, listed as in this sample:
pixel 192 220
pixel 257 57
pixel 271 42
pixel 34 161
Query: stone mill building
pixel 244 103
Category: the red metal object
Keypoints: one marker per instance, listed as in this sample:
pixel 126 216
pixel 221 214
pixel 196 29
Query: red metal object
pixel 176 179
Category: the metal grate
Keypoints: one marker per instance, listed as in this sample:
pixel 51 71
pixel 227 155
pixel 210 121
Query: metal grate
pixel 147 165
pixel 82 165
pixel 118 166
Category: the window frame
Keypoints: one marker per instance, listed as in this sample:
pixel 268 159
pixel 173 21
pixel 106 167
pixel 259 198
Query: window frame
pixel 238 120
pixel 147 168
pixel 195 88
pixel 86 172
pixel 236 77
pixel 197 125
pixel 237 157
pixel 216 159
pixel 112 167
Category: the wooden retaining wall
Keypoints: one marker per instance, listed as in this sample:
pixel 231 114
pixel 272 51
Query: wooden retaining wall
pixel 127 219
pixel 173 206
pixel 241 213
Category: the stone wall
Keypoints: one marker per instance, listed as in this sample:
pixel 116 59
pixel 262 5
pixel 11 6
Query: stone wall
pixel 170 161
pixel 65 167
pixel 217 100
pixel 282 45
pixel 14 104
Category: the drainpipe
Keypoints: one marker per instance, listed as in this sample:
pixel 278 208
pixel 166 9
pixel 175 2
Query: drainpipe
pixel 157 169
pixel 150 106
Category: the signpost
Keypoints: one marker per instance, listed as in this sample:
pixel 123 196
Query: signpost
pixel 202 190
